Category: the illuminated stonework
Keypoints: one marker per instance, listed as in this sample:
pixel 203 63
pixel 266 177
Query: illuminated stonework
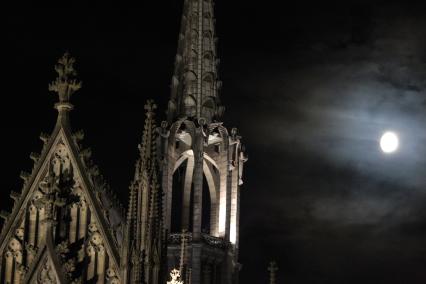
pixel 202 161
pixel 175 277
pixel 66 225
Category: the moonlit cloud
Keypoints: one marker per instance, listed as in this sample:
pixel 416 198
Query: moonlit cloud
pixel 323 112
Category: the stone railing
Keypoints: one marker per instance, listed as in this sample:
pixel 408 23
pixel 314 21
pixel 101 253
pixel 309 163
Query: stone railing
pixel 176 239
pixel 212 241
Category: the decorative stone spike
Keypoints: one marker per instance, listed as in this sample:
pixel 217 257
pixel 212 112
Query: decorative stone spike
pixel 86 153
pixel 66 83
pixel 44 185
pixel 234 133
pixel 273 268
pixel 35 157
pixel 79 135
pixel 15 195
pixel 4 214
pixel 25 175
pixel 44 137
pixel 94 171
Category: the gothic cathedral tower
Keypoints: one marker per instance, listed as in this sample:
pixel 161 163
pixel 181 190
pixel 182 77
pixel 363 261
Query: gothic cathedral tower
pixel 185 197
pixel 201 161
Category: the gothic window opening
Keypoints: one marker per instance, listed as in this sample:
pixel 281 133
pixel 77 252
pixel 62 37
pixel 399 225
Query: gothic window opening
pixel 208 64
pixel 190 106
pixel 207 43
pixel 177 198
pixel 208 109
pixel 217 150
pixel 208 88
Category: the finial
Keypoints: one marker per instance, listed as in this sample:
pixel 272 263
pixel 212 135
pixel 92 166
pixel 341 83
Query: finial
pixel 273 268
pixel 150 107
pixel 175 277
pixel 66 83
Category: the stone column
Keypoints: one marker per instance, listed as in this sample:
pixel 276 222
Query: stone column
pixel 8 267
pixel 32 225
pixel 101 264
pixel 83 220
pixel 198 185
pixel 198 200
pixel 196 264
pixel 91 269
pixel 73 225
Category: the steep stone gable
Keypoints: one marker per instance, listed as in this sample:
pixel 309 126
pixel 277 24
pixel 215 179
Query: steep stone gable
pixel 84 218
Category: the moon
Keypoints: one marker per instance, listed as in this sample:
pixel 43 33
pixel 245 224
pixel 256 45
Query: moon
pixel 389 142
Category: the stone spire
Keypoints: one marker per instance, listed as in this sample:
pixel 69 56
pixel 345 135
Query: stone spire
pixel 201 160
pixel 65 85
pixel 148 147
pixel 195 83
pixel 273 268
pixel 131 212
pixel 144 234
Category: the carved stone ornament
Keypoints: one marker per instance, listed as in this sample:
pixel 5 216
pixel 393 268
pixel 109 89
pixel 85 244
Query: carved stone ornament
pixel 61 162
pixel 65 84
pixel 47 274
pixel 175 277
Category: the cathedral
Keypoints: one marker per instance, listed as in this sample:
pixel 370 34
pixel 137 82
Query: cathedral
pixel 181 224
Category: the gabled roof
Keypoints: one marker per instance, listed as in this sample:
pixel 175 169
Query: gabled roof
pixel 102 205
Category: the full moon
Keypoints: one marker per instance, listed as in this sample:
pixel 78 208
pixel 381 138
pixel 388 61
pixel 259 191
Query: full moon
pixel 389 142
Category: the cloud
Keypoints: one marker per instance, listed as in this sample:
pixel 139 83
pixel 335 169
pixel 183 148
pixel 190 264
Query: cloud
pixel 338 108
pixel 330 194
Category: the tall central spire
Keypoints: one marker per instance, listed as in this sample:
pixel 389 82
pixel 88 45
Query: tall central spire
pixel 195 83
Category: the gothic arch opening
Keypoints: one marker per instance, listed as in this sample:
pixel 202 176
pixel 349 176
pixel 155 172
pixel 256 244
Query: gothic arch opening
pixel 208 108
pixel 177 198
pixel 190 106
pixel 182 195
pixel 208 62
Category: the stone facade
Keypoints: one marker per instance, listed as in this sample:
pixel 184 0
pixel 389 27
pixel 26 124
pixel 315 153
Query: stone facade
pixel 67 226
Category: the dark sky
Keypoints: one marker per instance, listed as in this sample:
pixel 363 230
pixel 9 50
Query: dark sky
pixel 311 86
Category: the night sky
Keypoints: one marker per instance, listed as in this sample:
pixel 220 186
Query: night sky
pixel 311 87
